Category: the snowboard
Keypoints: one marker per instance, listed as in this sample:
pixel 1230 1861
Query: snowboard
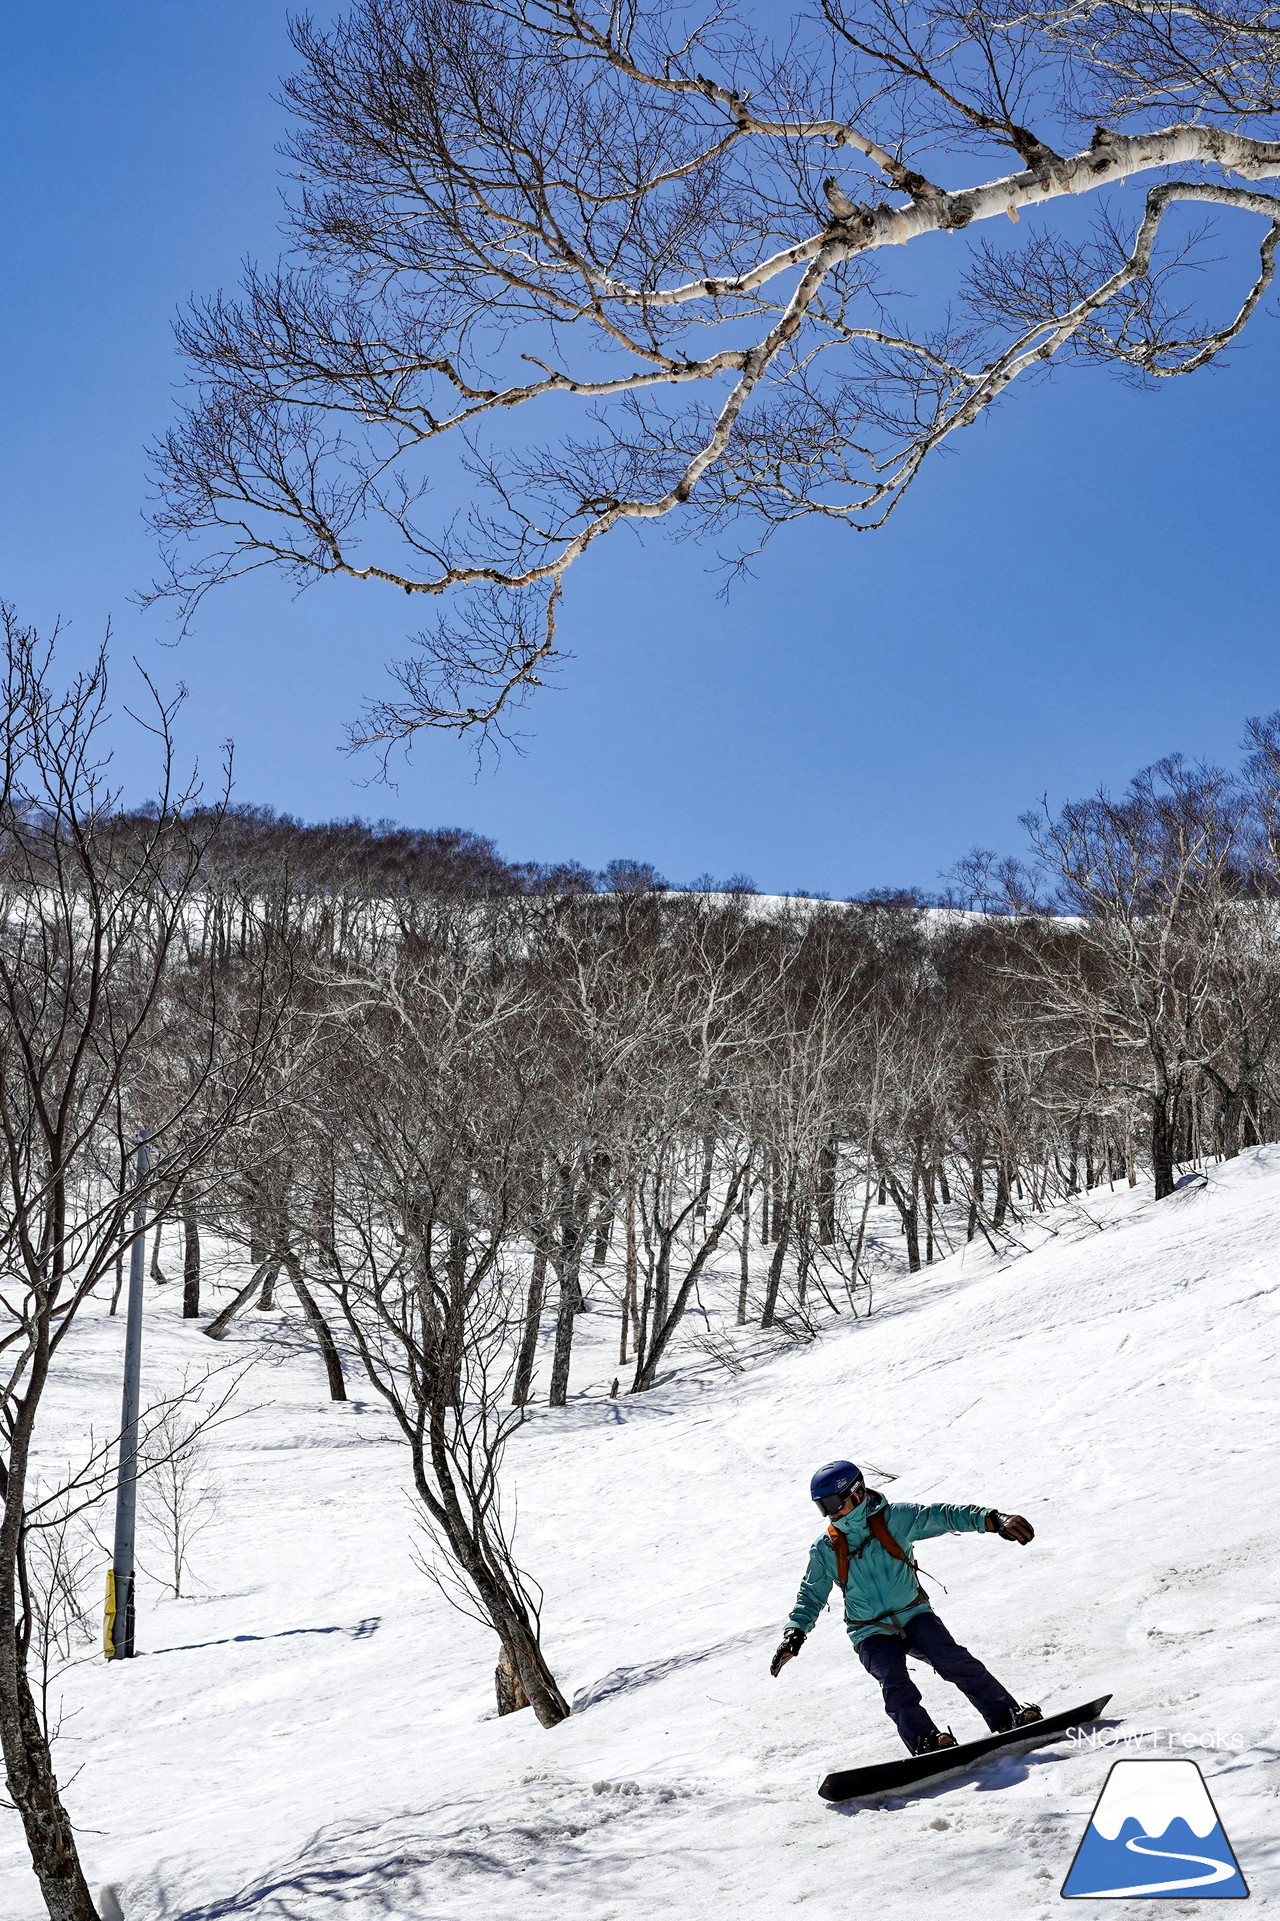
pixel 885 1777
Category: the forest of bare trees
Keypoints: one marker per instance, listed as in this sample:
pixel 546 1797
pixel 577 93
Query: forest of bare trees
pixel 437 1108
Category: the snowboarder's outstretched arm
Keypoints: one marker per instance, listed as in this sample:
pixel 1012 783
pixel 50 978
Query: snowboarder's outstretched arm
pixel 819 1579
pixel 910 1522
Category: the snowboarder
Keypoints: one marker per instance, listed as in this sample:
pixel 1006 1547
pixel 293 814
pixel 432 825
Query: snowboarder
pixel 867 1550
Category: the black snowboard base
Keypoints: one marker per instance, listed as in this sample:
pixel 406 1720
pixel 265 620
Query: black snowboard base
pixel 885 1777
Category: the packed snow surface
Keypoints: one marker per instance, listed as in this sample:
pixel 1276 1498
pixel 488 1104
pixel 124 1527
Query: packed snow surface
pixel 313 1735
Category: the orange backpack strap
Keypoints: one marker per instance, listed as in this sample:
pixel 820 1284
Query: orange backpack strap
pixel 880 1528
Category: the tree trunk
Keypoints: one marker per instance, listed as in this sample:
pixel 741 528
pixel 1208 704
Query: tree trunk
pixel 1163 1138
pixel 662 1278
pixel 33 1786
pixel 975 1195
pixel 119 1280
pixel 782 1222
pixel 566 1308
pixel 704 1186
pixel 28 1765
pixel 780 1186
pixel 928 1216
pixel 157 1272
pixel 827 1177
pixel 909 1214
pixel 223 1319
pixel 633 1268
pixel 320 1328
pixel 640 1327
pixel 774 1282
pixel 1234 1126
pixel 861 1239
pixel 190 1261
pixel 533 1673
pixel 511 1696
pixel 744 1250
pixel 522 1386
pixel 1002 1190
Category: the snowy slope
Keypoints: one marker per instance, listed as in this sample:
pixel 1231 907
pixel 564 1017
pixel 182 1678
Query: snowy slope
pixel 316 1738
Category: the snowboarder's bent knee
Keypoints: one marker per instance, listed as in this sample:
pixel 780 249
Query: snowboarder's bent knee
pixel 867 1552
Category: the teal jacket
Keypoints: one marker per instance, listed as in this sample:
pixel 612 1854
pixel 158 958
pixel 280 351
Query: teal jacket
pixel 883 1593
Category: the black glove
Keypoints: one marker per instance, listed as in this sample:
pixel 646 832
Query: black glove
pixel 1010 1527
pixel 792 1642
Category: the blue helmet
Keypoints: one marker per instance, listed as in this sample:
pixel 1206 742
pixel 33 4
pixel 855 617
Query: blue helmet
pixel 833 1484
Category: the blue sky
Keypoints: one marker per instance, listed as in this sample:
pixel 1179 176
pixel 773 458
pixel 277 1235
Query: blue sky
pixel 1086 583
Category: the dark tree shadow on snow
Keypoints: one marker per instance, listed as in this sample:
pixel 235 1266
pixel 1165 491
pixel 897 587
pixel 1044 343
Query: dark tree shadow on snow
pixel 645 1673
pixel 359 1632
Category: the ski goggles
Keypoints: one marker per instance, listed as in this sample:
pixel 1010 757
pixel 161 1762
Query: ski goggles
pixel 831 1504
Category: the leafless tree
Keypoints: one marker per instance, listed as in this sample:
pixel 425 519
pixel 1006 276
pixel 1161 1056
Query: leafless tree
pixel 58 1568
pixel 179 1491
pixel 603 981
pixel 92 970
pixel 672 226
pixel 418 1171
pixel 1153 881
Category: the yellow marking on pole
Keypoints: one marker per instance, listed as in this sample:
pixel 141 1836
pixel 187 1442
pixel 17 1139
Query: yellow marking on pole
pixel 109 1617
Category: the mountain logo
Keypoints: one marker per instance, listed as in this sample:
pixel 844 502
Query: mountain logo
pixel 1154 1831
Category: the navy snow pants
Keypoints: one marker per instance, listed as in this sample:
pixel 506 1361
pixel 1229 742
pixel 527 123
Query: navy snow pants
pixel 925 1637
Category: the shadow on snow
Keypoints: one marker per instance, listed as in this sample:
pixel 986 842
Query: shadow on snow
pixel 360 1632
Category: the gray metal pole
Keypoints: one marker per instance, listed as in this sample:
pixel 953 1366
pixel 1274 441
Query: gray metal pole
pixel 120 1614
